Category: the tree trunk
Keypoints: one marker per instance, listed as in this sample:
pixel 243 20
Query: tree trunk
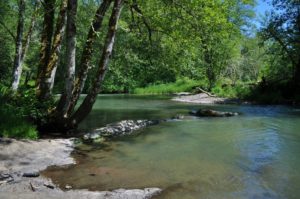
pixel 27 78
pixel 71 60
pixel 52 78
pixel 87 56
pixel 18 56
pixel 30 31
pixel 48 72
pixel 46 41
pixel 90 99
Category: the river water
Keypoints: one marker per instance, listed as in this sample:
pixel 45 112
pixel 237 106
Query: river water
pixel 254 155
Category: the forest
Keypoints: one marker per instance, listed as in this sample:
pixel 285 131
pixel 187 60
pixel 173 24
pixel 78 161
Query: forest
pixel 91 47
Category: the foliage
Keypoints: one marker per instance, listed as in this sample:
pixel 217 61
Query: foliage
pixel 181 85
pixel 21 112
pixel 13 121
pixel 281 34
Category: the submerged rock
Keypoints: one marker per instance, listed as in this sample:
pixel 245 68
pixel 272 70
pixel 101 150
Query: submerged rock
pixel 123 128
pixel 213 113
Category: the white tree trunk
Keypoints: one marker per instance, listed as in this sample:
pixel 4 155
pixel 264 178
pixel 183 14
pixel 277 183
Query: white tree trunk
pixel 18 56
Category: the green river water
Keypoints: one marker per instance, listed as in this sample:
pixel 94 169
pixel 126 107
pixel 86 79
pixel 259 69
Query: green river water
pixel 254 156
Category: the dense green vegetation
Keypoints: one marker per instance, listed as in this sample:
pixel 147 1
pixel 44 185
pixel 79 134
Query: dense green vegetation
pixel 161 47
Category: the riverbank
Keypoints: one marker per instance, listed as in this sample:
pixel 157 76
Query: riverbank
pixel 204 98
pixel 20 158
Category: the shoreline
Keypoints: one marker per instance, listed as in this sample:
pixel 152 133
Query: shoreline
pixel 204 98
pixel 21 158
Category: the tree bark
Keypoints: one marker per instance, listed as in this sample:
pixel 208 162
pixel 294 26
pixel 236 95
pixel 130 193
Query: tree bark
pixel 47 74
pixel 30 31
pixel 46 39
pixel 90 99
pixel 71 60
pixel 18 56
pixel 87 56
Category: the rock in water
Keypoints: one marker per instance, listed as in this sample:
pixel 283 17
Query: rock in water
pixel 123 128
pixel 212 113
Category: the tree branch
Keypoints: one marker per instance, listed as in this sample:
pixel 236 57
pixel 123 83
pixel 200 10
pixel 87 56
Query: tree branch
pixel 7 29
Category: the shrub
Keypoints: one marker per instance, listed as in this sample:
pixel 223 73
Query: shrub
pixel 19 112
pixel 181 85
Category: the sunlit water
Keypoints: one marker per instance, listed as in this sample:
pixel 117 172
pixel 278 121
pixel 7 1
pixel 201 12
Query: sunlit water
pixel 254 155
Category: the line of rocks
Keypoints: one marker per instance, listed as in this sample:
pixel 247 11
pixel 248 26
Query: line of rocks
pixel 119 129
pixel 130 127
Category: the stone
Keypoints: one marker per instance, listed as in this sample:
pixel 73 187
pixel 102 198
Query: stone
pixel 68 187
pixel 213 113
pixel 119 129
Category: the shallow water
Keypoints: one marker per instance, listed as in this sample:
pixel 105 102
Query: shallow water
pixel 254 155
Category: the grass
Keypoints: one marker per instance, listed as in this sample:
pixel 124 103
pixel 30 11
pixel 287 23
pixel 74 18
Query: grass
pixel 13 121
pixel 239 90
pixel 14 126
pixel 181 85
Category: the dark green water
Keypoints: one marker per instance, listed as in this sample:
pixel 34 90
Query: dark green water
pixel 254 155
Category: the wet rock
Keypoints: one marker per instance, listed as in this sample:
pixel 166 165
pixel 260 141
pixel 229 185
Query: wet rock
pixel 119 129
pixel 212 113
pixel 177 117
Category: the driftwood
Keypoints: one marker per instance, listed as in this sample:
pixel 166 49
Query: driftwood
pixel 207 93
pixel 32 187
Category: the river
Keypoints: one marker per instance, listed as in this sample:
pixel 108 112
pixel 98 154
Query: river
pixel 253 155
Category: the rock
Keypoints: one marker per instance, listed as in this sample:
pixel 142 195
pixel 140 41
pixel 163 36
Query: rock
pixel 177 117
pixel 213 113
pixel 119 129
pixel 182 94
pixel 68 187
pixel 48 185
pixel 31 174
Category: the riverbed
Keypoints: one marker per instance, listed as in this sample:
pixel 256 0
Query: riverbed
pixel 253 155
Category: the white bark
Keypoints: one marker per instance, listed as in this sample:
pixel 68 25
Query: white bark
pixel 18 56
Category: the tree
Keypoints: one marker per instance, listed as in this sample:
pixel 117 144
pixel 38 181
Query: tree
pixel 86 57
pixel 90 99
pixel 60 117
pixel 50 48
pixel 71 59
pixel 283 28
pixel 18 55
pixel 22 45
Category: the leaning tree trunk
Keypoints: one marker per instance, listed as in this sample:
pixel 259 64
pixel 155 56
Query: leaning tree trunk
pixel 45 79
pixel 71 60
pixel 18 56
pixel 86 58
pixel 90 99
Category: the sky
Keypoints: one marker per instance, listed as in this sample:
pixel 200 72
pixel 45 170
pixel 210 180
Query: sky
pixel 261 8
